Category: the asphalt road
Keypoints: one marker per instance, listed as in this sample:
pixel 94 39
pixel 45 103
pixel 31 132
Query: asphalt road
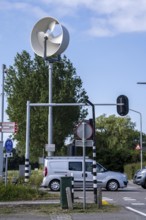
pixel 131 199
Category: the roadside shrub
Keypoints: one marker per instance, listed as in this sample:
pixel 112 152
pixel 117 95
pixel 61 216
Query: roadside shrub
pixel 130 169
pixel 12 192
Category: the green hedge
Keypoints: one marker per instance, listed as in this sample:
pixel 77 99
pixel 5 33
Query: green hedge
pixel 130 169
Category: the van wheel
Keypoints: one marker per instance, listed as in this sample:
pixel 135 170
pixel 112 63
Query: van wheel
pixel 54 185
pixel 112 185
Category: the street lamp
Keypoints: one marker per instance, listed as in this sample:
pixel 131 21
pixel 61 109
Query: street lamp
pixel 141 150
pixel 141 82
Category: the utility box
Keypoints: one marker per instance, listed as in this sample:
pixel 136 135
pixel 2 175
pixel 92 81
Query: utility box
pixel 65 182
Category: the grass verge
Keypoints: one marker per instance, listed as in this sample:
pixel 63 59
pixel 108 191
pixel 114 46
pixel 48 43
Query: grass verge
pixel 56 209
pixel 21 192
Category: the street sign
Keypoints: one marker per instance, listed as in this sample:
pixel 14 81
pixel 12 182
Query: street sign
pixel 88 130
pixel 50 147
pixel 8 127
pixel 88 143
pixel 6 155
pixel 138 147
pixel 9 145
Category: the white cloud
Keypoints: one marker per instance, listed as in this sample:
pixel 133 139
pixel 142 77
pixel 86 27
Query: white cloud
pixel 107 17
pixel 99 17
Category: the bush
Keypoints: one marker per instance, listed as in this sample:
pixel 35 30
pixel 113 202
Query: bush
pixel 17 192
pixel 130 169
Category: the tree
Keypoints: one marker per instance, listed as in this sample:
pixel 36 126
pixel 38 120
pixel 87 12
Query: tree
pixel 26 80
pixel 115 138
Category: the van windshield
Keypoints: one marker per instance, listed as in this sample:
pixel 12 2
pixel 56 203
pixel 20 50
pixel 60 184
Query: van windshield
pixel 100 168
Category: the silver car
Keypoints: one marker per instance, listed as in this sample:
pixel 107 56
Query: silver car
pixel 57 167
pixel 140 178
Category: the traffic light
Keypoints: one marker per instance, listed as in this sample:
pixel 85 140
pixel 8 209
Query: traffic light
pixel 122 109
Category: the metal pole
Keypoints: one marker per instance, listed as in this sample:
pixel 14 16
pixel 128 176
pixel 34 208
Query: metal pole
pixel 6 170
pixel 141 147
pixel 2 118
pixel 84 167
pixel 94 154
pixel 2 103
pixel 27 142
pixel 50 115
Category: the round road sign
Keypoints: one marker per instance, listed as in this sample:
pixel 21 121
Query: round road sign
pixel 88 130
pixel 9 145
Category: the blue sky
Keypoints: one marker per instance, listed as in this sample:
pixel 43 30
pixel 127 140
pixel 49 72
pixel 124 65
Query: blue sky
pixel 107 44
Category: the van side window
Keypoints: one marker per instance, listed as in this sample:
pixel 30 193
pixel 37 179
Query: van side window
pixel 76 166
pixel 89 166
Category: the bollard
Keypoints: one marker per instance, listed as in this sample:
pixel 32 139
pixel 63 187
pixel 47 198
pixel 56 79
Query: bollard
pixel 99 197
pixel 72 187
pixel 69 198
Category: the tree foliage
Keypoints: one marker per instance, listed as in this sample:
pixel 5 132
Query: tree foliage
pixel 26 80
pixel 116 139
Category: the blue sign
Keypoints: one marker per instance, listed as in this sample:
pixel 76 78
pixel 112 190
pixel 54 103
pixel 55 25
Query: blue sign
pixel 9 145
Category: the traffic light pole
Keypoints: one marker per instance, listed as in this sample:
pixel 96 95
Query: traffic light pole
pixel 141 147
pixel 94 154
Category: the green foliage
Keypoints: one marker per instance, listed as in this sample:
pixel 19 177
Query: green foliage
pixel 116 139
pixel 130 169
pixel 18 192
pixel 26 80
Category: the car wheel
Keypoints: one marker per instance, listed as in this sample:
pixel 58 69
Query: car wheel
pixel 54 185
pixel 144 185
pixel 112 185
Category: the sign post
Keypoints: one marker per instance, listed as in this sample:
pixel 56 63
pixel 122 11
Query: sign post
pixel 84 131
pixel 9 148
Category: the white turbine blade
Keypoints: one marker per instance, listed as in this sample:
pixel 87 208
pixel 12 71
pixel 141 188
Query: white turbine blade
pixel 57 39
pixel 52 48
pixel 51 25
pixel 41 37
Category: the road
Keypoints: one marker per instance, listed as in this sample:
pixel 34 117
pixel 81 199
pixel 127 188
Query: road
pixel 132 198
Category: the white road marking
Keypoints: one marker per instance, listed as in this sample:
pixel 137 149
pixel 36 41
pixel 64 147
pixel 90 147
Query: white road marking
pixel 136 211
pixel 128 199
pixel 138 203
pixel 107 199
pixel 60 217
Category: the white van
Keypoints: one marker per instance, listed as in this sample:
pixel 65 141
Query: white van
pixel 57 167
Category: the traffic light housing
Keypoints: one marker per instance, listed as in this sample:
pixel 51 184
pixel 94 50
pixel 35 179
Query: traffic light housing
pixel 122 109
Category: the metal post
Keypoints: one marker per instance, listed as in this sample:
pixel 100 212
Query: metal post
pixel 2 119
pixel 50 115
pixel 94 154
pixel 6 170
pixel 27 142
pixel 84 167
pixel 141 147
